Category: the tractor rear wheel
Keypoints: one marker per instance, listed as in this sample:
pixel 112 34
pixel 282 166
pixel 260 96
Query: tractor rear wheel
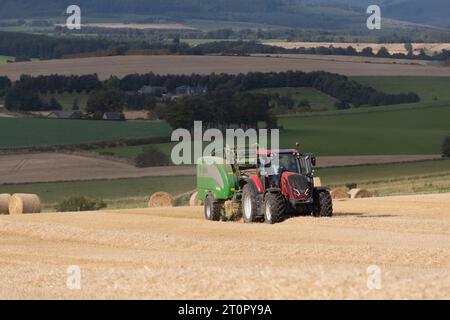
pixel 249 203
pixel 274 207
pixel 212 209
pixel 323 206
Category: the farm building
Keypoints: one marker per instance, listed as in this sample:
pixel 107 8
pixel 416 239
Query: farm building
pixel 153 90
pixel 113 116
pixel 191 91
pixel 70 115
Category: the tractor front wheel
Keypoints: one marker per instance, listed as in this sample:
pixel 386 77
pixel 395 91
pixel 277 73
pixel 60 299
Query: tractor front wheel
pixel 212 209
pixel 274 207
pixel 323 206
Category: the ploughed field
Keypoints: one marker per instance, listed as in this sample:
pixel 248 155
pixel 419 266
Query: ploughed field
pixel 175 253
pixel 173 64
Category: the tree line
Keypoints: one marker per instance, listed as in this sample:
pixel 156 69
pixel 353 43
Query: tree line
pixel 349 92
pixel 24 46
pixel 335 85
pixel 220 109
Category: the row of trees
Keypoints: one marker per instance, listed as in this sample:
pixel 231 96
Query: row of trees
pixel 46 47
pixel 21 98
pixel 383 52
pixel 5 85
pixel 338 86
pixel 61 83
pixel 220 109
pixel 347 91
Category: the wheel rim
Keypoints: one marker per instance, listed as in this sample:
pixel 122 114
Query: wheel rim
pixel 208 211
pixel 248 208
pixel 268 213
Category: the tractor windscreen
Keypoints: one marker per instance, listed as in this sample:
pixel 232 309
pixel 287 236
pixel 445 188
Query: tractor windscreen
pixel 286 162
pixel 289 162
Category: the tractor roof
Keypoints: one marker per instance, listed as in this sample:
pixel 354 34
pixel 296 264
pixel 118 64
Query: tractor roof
pixel 280 151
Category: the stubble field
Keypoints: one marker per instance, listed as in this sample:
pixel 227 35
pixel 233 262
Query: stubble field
pixel 174 253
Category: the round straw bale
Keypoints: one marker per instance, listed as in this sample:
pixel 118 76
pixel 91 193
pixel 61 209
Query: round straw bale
pixel 359 193
pixel 4 203
pixel 317 182
pixel 160 199
pixel 20 203
pixel 339 193
pixel 194 201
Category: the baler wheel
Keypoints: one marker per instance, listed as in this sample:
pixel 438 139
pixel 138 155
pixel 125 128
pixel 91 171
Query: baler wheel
pixel 212 209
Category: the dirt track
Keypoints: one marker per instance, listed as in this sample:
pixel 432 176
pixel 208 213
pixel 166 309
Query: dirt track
pixel 48 167
pixel 123 65
pixel 174 253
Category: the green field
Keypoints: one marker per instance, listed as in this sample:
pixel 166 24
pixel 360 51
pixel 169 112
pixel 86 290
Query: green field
pixel 317 99
pixel 4 59
pixel 383 180
pixel 430 89
pixel 27 132
pixel 410 131
pixel 131 152
pixel 416 131
pixel 417 128
pixel 66 99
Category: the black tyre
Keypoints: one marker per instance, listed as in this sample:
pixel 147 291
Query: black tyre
pixel 212 209
pixel 323 206
pixel 274 208
pixel 249 203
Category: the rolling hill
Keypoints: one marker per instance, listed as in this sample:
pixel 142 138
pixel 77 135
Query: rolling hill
pixel 285 13
pixel 321 14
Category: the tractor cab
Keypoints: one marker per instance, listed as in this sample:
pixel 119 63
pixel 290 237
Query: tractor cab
pixel 275 162
pixel 289 171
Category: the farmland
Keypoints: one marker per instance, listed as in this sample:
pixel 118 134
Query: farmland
pixel 139 26
pixel 415 131
pixel 382 179
pixel 173 253
pixel 317 99
pixel 392 179
pixel 379 128
pixel 399 129
pixel 173 64
pixel 430 89
pixel 4 59
pixel 414 128
pixel 31 167
pixel 67 99
pixel 430 48
pixel 118 193
pixel 417 128
pixel 367 131
pixel 28 132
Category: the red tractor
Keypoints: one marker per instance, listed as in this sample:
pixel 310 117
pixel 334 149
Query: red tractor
pixel 283 188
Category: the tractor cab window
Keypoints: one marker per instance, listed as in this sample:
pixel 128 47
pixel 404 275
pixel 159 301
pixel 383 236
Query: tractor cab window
pixel 287 162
